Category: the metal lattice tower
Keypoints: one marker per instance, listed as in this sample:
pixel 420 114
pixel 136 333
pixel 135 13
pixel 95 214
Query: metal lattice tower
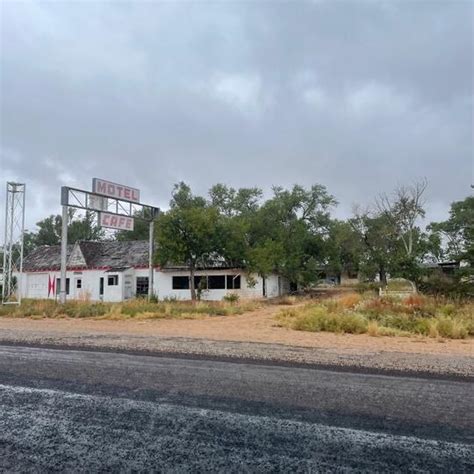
pixel 13 243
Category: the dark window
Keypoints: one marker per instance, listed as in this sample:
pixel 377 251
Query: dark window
pixel 78 283
pixel 233 282
pixel 216 282
pixel 180 283
pixel 58 286
pixel 352 274
pixel 142 286
pixel 101 286
pixel 112 280
pixel 200 282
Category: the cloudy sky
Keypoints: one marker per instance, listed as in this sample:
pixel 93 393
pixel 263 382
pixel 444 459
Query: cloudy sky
pixel 358 96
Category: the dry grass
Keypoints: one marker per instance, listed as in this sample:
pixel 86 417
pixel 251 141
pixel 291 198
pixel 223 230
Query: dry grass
pixel 353 313
pixel 137 309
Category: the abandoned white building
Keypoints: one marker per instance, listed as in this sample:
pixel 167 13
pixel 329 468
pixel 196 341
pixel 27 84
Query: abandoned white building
pixel 116 271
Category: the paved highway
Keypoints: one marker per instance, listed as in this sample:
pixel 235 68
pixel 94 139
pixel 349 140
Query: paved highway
pixel 66 410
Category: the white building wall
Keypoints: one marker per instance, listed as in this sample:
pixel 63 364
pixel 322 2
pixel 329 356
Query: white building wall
pixel 35 285
pixel 164 285
pixel 272 286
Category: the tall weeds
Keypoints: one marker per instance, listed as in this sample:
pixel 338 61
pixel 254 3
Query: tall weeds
pixel 415 315
pixel 137 308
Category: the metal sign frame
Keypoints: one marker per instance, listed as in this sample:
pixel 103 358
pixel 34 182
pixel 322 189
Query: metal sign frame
pixel 90 201
pixel 14 236
pixel 80 199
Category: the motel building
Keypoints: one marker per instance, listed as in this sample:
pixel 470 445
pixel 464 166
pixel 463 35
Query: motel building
pixel 117 271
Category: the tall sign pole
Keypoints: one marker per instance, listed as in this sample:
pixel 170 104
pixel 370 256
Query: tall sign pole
pixel 62 286
pixel 150 258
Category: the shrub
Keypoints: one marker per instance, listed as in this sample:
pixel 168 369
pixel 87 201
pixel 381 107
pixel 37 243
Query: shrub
pixel 399 284
pixel 284 300
pixel 354 324
pixel 373 328
pixel 433 331
pixel 414 301
pixel 350 300
pixel 82 310
pixel 447 309
pixel 318 320
pixel 451 329
pixel 231 298
pixel 398 321
pixel 286 317
pixel 154 298
pixel 307 323
pixel 384 331
pixel 367 287
pixel 136 308
pixel 422 326
pixel 416 314
pixel 375 307
pixel 439 284
pixel 445 327
pixel 170 299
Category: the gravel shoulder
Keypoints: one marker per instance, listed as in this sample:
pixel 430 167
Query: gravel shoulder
pixel 251 336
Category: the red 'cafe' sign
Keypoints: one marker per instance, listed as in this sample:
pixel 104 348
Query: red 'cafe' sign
pixel 114 221
pixel 114 190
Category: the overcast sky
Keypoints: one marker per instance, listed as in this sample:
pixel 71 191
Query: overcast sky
pixel 358 96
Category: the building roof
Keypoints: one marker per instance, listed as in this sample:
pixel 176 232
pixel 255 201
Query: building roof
pixel 89 255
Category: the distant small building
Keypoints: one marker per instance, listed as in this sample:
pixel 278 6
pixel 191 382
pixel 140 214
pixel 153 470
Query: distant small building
pixel 344 277
pixel 446 268
pixel 116 271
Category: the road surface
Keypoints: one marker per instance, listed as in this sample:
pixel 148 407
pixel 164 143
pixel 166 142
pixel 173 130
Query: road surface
pixel 67 410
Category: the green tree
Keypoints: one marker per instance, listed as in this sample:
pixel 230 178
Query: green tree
pixel 393 240
pixel 141 229
pixel 49 230
pixel 344 248
pixel 29 242
pixel 231 202
pixel 379 239
pixel 237 210
pixel 287 234
pixel 457 232
pixel 188 233
pixel 83 228
pixel 404 209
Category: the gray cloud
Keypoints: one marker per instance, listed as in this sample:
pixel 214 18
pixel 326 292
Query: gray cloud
pixel 358 96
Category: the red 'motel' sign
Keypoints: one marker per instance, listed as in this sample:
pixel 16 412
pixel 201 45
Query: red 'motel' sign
pixel 114 190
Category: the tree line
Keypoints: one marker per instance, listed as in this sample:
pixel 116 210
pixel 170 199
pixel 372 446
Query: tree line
pixel 292 232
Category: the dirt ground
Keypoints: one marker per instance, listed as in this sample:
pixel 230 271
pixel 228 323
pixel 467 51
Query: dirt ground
pixel 254 327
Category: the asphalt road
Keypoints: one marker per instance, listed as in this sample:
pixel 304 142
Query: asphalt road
pixel 77 411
